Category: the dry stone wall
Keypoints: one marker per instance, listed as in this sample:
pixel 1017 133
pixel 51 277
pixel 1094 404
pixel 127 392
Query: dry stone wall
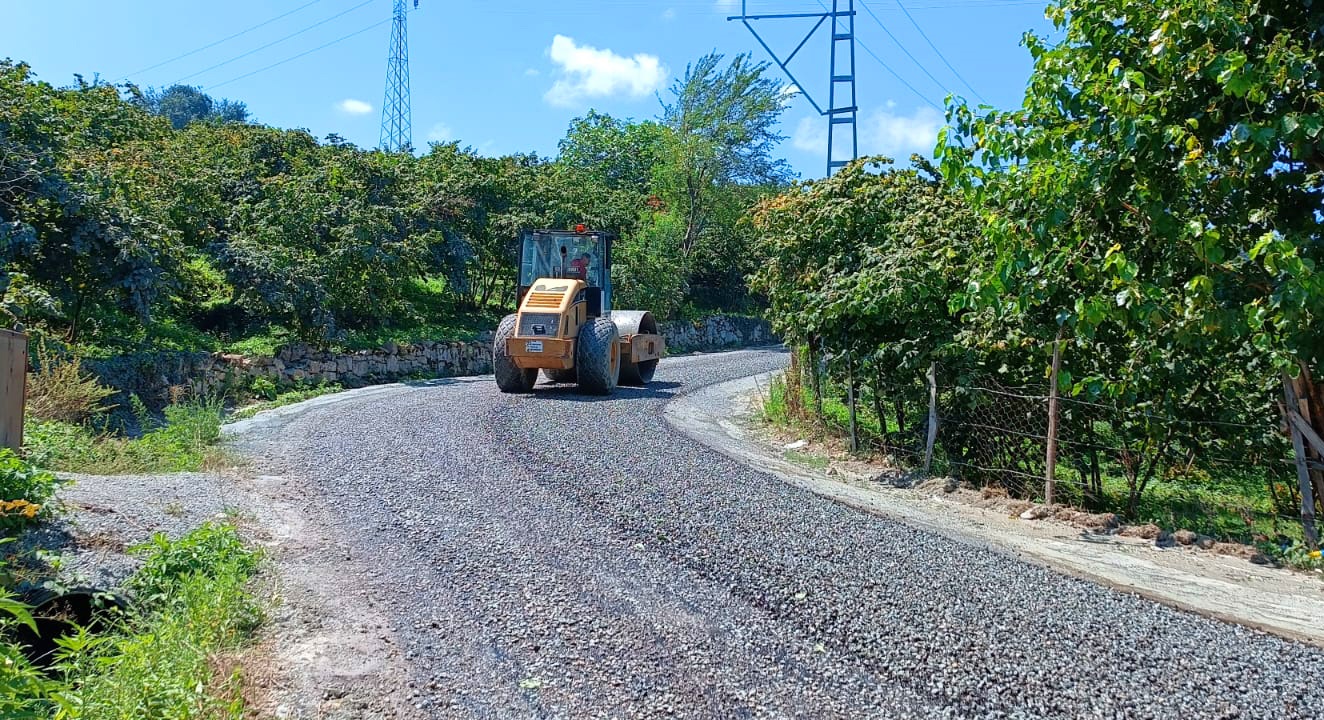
pixel 152 376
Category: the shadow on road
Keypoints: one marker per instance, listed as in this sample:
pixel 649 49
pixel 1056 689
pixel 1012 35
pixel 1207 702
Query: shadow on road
pixel 656 390
pixel 437 382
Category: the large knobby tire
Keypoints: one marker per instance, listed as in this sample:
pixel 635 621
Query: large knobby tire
pixel 558 375
pixel 598 357
pixel 509 378
pixel 633 322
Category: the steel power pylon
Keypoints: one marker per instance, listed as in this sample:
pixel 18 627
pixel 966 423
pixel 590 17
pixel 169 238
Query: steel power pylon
pixel 397 128
pixel 841 111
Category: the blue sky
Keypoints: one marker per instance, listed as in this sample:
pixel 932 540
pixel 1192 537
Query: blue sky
pixel 510 76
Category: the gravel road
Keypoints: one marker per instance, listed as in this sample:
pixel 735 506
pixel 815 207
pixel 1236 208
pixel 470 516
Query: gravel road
pixel 560 556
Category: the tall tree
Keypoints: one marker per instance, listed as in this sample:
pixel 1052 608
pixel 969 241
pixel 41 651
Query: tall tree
pixel 183 104
pixel 723 123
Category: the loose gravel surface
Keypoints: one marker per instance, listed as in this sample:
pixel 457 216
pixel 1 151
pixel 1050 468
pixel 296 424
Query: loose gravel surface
pixel 561 556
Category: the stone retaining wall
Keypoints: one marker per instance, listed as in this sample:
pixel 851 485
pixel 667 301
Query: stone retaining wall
pixel 153 375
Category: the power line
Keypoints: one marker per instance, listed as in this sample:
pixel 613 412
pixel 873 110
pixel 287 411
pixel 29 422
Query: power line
pixel 935 49
pixel 899 44
pixel 278 63
pixel 273 42
pixel 889 69
pixel 228 38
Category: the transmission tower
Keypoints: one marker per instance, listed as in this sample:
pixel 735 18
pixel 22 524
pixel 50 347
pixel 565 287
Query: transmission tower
pixel 397 129
pixel 841 110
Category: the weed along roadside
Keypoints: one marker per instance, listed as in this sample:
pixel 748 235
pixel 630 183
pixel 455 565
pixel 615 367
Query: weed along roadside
pixel 126 583
pixel 154 655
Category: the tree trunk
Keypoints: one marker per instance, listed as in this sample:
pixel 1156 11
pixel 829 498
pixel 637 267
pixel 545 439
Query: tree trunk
pixel 814 377
pixel 76 318
pixel 878 407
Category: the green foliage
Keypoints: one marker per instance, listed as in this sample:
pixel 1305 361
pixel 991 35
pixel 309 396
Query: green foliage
pixel 618 154
pixel 264 388
pixel 1156 201
pixel 160 220
pixel 160 662
pixel 289 397
pixel 208 551
pixel 184 442
pixel 25 491
pixel 23 687
pixel 864 263
pixel 716 162
pixel 649 270
pixel 184 104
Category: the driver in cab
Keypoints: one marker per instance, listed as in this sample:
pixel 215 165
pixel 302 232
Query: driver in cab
pixel 579 267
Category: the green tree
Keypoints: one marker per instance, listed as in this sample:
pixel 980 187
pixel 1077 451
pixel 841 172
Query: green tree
pixel 723 123
pixel 184 104
pixel 74 220
pixel 619 154
pixel 1157 198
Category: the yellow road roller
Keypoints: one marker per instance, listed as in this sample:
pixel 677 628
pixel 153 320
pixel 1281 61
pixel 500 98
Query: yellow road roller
pixel 566 326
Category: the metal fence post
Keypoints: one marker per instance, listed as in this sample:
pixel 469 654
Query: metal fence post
pixel 1292 409
pixel 933 417
pixel 1050 461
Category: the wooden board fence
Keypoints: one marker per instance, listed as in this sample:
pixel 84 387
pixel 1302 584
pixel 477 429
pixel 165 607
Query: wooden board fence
pixel 13 383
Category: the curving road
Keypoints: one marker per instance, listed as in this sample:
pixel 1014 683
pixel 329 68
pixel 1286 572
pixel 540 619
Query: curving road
pixel 560 556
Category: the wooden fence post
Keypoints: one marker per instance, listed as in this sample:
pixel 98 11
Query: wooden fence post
pixel 13 387
pixel 850 401
pixel 933 417
pixel 1050 462
pixel 1298 426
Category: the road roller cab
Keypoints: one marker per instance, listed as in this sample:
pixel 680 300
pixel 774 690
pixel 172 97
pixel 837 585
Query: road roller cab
pixel 565 325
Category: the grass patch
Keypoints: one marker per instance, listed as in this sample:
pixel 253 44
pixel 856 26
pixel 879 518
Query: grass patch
pixel 184 442
pixel 159 661
pixel 809 460
pixel 288 397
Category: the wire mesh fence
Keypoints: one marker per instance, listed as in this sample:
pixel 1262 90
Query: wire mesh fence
pixel 1223 478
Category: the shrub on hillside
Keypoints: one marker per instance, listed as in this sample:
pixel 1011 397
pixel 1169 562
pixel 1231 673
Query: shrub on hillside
pixel 59 390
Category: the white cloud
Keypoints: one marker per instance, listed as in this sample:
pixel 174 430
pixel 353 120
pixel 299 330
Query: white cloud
pixel 354 107
pixel 441 132
pixel 810 135
pixel 532 72
pixel 897 136
pixel 728 6
pixel 669 14
pixel 882 132
pixel 587 72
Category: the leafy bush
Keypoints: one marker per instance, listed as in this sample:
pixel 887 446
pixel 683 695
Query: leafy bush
pixel 23 687
pixel 264 388
pixel 58 389
pixel 207 552
pixel 25 491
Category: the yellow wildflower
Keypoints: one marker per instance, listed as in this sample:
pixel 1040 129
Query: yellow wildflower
pixel 1315 555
